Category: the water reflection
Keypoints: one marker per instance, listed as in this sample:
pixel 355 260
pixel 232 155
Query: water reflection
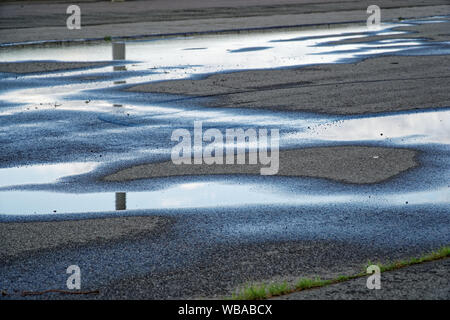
pixel 164 60
pixel 121 201
pixel 118 52
pixel 119 68
pixel 167 61
pixel 202 195
pixel 219 52
pixel 46 173
pixel 406 128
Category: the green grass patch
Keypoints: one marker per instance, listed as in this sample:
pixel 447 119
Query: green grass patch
pixel 306 283
pixel 264 291
pixel 434 255
pixel 276 289
pixel 343 278
pixel 252 292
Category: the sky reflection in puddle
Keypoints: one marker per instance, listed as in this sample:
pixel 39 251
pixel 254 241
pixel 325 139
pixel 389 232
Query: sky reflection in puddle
pixel 223 48
pixel 196 195
pixel 177 59
pixel 47 173
pixel 168 59
pixel 405 128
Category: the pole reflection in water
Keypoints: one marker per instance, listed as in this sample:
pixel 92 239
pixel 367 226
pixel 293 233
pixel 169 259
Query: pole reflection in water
pixel 118 50
pixel 121 201
pixel 118 53
pixel 120 68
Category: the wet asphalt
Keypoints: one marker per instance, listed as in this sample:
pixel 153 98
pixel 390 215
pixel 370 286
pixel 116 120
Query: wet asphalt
pixel 205 252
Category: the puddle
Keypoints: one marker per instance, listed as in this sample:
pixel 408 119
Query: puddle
pixel 197 195
pixel 406 128
pixel 83 110
pixel 215 53
pixel 249 49
pixel 179 58
pixel 42 173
